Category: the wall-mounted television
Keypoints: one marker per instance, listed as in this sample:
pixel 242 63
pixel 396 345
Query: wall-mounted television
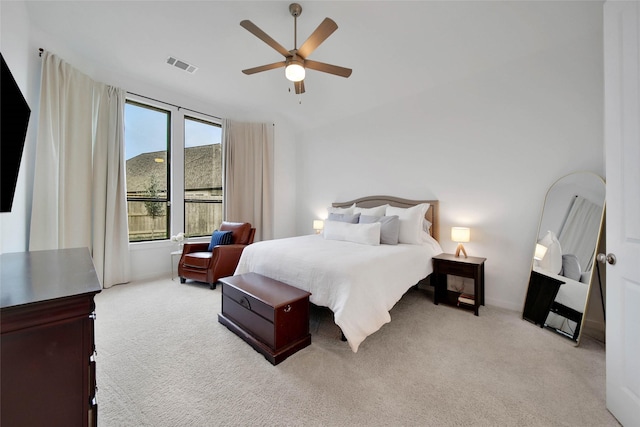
pixel 14 119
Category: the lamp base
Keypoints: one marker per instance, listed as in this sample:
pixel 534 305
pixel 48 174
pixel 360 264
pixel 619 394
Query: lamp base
pixel 459 249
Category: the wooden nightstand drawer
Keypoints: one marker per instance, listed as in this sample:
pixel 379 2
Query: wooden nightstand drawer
pixel 455 268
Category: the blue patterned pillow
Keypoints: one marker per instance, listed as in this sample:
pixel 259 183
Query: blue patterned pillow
pixel 220 238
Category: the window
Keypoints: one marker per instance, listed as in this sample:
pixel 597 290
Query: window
pixel 147 141
pixel 202 176
pixel 174 158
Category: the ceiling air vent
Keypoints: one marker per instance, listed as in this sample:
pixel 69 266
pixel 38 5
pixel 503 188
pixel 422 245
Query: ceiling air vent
pixel 182 64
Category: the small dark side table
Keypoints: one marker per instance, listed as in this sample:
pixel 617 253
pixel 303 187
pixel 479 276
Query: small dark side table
pixel 472 267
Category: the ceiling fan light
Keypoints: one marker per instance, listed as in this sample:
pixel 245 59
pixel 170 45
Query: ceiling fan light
pixel 294 72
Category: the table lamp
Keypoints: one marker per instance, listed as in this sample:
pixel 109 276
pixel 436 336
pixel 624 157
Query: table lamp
pixel 540 252
pixel 460 235
pixel 318 225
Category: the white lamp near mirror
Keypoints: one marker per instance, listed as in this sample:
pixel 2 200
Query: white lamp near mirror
pixel 460 235
pixel 540 252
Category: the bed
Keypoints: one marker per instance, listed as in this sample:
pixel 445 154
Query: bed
pixel 358 281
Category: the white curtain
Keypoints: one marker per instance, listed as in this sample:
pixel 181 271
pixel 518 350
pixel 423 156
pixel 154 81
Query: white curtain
pixel 79 197
pixel 110 222
pixel 580 231
pixel 248 165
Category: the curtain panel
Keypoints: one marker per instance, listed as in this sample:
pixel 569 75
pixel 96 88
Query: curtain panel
pixel 79 195
pixel 248 175
pixel 576 236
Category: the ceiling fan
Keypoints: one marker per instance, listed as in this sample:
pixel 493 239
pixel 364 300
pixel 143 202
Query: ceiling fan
pixel 296 60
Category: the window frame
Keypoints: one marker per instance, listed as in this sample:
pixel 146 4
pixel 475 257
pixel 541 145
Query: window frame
pixel 191 115
pixel 140 102
pixel 175 160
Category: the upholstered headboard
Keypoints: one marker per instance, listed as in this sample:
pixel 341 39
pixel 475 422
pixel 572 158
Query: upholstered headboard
pixel 432 214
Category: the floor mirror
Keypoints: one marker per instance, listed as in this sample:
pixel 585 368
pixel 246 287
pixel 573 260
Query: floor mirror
pixel 564 267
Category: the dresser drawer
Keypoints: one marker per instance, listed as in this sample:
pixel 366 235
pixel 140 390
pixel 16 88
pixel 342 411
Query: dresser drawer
pixel 253 323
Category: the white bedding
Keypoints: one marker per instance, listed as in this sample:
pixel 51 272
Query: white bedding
pixel 359 283
pixel 572 294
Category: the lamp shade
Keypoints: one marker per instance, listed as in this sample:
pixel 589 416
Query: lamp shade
pixel 294 71
pixel 541 250
pixel 460 234
pixel 318 224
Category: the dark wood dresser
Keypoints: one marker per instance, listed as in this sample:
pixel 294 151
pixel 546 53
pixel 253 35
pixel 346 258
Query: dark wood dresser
pixel 271 316
pixel 47 340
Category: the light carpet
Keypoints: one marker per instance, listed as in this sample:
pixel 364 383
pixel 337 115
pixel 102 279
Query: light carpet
pixel 164 360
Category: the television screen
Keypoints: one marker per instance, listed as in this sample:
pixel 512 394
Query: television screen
pixel 14 119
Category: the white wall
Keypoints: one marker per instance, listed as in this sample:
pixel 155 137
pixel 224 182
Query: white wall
pixel 20 44
pixel 487 147
pixel 24 64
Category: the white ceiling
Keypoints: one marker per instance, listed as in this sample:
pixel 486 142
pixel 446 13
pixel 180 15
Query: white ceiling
pixel 396 49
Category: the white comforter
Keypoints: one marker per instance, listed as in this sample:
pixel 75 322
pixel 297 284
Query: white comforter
pixel 359 283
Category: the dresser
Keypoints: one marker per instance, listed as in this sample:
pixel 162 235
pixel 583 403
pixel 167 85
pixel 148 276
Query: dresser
pixel 269 315
pixel 47 338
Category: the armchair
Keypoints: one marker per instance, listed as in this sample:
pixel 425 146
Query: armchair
pixel 197 263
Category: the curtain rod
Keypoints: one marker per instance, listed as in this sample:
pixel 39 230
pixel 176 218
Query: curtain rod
pixel 174 105
pixel 41 51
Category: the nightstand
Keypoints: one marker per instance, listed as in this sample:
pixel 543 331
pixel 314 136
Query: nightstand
pixel 541 293
pixel 472 267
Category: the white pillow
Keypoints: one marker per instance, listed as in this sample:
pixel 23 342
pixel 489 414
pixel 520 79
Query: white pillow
pixel 552 260
pixel 410 222
pixel 366 234
pixel 348 211
pixel 377 211
pixel 427 239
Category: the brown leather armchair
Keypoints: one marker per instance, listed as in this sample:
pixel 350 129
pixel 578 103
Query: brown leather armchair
pixel 197 263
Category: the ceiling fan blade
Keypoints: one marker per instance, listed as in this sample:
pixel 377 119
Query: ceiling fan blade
pixel 253 29
pixel 299 87
pixel 324 30
pixel 327 68
pixel 265 67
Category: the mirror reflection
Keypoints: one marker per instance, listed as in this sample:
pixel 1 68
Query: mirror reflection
pixel 564 254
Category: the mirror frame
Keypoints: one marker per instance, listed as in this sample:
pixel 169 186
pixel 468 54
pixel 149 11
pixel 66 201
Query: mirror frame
pixel 593 275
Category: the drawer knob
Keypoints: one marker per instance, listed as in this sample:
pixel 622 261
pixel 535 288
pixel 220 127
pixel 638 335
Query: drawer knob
pixel 287 308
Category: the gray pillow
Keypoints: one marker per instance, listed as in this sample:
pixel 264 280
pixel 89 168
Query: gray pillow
pixel 350 218
pixel 389 228
pixel 570 267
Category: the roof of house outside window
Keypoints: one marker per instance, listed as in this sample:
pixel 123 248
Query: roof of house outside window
pixel 200 171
